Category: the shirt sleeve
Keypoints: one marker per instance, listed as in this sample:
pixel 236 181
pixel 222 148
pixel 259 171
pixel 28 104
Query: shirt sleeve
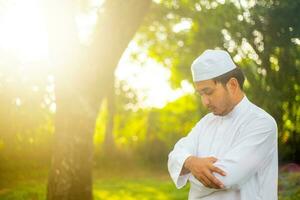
pixel 184 148
pixel 255 146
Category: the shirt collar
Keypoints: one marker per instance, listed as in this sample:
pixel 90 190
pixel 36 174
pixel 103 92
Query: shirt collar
pixel 238 108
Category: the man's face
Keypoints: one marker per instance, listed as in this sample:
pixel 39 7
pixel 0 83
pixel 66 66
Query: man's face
pixel 215 96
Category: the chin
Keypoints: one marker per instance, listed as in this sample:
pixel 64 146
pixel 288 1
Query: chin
pixel 218 113
pixel 215 113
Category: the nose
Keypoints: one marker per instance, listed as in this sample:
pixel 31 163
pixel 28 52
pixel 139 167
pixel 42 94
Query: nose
pixel 205 100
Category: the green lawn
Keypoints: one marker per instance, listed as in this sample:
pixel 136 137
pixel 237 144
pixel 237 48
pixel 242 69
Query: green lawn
pixel 112 189
pixel 141 188
pixel 24 191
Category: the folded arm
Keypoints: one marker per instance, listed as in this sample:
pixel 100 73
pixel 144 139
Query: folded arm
pixel 258 141
pixel 183 162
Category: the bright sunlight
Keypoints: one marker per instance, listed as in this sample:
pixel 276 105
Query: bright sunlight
pixel 23 34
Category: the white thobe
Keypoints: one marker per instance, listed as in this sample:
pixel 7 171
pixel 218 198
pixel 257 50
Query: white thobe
pixel 245 143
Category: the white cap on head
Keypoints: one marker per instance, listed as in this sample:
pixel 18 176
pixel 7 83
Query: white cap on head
pixel 211 64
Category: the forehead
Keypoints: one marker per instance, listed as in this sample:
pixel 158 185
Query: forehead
pixel 207 84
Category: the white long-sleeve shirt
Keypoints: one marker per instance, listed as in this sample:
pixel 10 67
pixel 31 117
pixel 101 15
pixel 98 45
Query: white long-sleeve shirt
pixel 245 144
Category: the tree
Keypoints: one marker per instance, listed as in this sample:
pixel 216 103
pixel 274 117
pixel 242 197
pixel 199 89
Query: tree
pixel 82 76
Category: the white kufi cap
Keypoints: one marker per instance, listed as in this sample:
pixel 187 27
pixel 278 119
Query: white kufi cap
pixel 211 64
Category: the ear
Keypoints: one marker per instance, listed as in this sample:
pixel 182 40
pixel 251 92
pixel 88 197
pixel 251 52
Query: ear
pixel 232 85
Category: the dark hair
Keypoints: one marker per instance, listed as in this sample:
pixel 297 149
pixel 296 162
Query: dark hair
pixel 236 73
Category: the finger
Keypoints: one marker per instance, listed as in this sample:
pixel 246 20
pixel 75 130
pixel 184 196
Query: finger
pixel 217 170
pixel 212 159
pixel 209 183
pixel 214 181
pixel 203 180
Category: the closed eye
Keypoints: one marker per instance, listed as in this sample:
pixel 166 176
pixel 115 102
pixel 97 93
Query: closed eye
pixel 206 92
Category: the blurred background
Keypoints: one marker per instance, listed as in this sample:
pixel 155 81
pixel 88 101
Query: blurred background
pixel 115 76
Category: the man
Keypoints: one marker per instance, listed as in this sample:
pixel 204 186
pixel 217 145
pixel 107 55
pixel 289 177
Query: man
pixel 231 153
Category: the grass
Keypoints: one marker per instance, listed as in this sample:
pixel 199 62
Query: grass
pixel 24 191
pixel 141 186
pixel 112 189
pixel 142 189
pixel 134 184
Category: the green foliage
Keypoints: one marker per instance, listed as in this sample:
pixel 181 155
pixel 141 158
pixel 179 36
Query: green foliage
pixel 175 120
pixel 289 186
pixel 176 46
pixel 137 132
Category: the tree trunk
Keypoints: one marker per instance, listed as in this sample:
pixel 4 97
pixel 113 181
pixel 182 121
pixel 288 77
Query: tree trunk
pixel 70 176
pixel 109 144
pixel 81 78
